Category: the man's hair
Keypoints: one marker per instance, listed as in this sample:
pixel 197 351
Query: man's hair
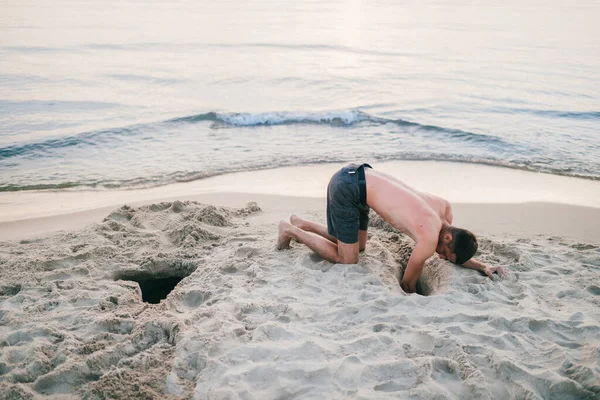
pixel 463 244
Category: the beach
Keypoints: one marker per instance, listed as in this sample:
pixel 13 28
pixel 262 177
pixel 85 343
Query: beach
pixel 248 321
pixel 150 150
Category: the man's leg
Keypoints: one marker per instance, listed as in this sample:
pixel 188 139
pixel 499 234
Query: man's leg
pixel 321 230
pixel 313 227
pixel 362 240
pixel 341 253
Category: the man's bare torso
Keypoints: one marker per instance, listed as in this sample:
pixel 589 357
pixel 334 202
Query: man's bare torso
pixel 415 213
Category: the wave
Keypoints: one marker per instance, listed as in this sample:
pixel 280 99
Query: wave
pixel 333 118
pixel 344 118
pixel 46 146
pixel 578 115
pixel 568 114
pixel 190 176
pixel 219 120
pixel 348 117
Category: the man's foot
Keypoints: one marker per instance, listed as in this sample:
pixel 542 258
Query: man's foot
pixel 283 242
pixel 296 221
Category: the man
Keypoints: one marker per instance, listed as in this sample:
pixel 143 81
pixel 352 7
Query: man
pixel 426 218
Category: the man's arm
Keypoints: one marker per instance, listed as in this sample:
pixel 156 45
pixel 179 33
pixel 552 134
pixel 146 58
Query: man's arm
pixel 488 270
pixel 422 251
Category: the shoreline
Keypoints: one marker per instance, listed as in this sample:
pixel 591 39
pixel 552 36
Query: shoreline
pixel 485 199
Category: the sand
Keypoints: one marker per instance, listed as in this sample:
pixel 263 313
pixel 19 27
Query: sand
pixel 248 321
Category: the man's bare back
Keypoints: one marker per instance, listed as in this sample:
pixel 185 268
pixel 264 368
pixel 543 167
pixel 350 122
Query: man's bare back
pixel 412 212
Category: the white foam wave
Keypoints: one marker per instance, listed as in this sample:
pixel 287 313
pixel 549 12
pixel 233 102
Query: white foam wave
pixel 346 117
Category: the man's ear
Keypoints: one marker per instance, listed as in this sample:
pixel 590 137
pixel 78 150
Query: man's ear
pixel 447 238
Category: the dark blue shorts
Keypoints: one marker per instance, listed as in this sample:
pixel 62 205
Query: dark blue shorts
pixel 345 213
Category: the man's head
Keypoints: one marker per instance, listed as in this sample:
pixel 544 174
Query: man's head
pixel 456 245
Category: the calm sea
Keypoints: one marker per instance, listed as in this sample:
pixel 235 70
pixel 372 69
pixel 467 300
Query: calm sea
pixel 117 94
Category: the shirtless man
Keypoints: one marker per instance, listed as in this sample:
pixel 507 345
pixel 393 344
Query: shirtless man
pixel 426 218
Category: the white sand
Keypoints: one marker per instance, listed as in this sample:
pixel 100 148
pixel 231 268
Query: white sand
pixel 249 321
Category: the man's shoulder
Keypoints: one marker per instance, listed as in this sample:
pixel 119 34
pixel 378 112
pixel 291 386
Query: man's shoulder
pixel 428 227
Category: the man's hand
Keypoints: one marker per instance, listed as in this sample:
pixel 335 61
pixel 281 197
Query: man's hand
pixel 408 288
pixel 489 271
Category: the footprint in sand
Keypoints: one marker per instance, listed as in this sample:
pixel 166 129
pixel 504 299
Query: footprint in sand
pixel 194 298
pixel 349 372
pixel 593 289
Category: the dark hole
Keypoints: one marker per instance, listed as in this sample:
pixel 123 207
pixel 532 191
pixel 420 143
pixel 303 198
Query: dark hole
pixel 10 290
pixel 420 289
pixel 153 289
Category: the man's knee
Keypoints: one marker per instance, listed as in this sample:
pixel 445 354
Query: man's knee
pixel 347 253
pixel 347 259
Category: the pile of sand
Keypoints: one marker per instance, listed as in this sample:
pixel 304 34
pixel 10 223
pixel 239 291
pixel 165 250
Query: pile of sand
pixel 248 321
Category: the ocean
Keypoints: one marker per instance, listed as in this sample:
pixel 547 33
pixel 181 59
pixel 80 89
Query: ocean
pixel 129 94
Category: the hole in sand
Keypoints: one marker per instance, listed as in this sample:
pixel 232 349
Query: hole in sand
pixel 422 286
pixel 422 289
pixel 154 288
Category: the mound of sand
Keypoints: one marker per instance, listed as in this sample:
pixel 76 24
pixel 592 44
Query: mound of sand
pixel 247 321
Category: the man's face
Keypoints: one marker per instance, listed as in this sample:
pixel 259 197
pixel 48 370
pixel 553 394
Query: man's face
pixel 445 253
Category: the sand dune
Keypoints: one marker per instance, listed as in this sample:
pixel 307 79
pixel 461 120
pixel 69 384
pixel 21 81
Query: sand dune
pixel 248 321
